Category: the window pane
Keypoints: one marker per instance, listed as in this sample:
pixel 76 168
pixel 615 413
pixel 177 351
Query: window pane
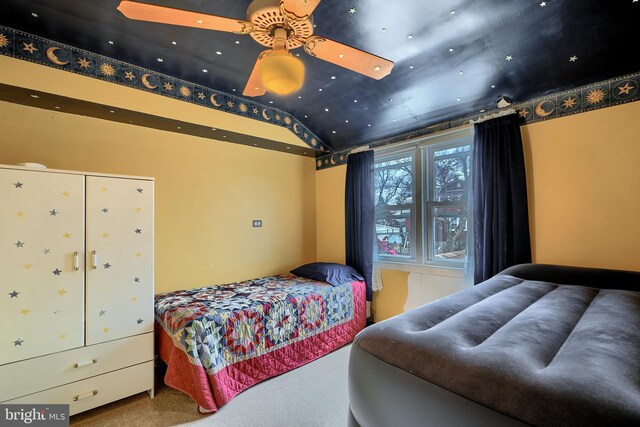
pixel 449 231
pixel 394 182
pixel 451 169
pixel 393 233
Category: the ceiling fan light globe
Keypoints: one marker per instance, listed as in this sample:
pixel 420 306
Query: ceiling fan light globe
pixel 281 73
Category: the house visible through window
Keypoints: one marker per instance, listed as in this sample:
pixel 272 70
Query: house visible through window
pixel 421 196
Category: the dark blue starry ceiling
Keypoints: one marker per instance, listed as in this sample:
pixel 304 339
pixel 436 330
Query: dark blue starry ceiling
pixel 452 58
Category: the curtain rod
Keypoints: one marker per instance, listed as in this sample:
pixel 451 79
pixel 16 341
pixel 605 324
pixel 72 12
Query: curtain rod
pixel 495 115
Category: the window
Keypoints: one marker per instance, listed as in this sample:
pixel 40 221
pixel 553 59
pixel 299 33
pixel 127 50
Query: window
pixel 421 200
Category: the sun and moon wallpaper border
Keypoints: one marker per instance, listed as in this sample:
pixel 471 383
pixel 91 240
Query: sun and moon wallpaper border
pixel 28 47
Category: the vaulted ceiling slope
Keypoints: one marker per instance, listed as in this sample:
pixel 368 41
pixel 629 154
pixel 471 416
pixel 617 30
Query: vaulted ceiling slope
pixel 452 58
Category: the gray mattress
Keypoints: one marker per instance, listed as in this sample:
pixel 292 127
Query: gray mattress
pixel 536 344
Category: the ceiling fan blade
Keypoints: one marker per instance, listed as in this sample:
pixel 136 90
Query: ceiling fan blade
pixel 254 85
pixel 348 57
pixel 185 18
pixel 298 9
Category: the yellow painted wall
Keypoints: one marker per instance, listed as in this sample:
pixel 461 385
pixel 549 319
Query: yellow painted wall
pixel 207 192
pixel 330 214
pixel 583 179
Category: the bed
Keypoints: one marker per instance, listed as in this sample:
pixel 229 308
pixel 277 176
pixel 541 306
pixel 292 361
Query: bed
pixel 535 345
pixel 220 340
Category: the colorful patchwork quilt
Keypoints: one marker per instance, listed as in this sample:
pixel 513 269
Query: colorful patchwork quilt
pixel 220 340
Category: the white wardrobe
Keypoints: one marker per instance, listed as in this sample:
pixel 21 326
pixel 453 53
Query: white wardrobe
pixel 76 281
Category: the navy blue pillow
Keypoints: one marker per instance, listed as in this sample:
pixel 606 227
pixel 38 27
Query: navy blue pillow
pixel 335 274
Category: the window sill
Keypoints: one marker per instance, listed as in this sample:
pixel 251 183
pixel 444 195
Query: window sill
pixel 436 270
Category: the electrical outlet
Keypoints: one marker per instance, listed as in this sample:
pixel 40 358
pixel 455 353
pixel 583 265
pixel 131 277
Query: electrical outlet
pixel 257 223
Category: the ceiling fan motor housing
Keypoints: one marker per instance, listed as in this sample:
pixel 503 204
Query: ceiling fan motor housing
pixel 266 16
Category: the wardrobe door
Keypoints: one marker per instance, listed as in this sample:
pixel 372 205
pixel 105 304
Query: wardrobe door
pixel 119 258
pixel 41 263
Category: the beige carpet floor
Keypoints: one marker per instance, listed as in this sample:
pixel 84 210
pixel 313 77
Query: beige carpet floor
pixel 314 395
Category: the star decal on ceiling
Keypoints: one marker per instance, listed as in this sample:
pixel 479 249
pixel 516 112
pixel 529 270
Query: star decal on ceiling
pixel 107 70
pixel 107 265
pixel 67 235
pixel 84 63
pixel 53 212
pixel 573 58
pixel 543 4
pixel 596 96
pixel 569 103
pixel 18 342
pixel 139 321
pixel 19 244
pixel 14 294
pixel 129 75
pixel 168 87
pixel 29 47
pixel 352 10
pixel 62 291
pixel 4 41
pixel 56 272
pixel 201 95
pixel 508 58
pixel 17 184
pixel 185 91
pixel 626 89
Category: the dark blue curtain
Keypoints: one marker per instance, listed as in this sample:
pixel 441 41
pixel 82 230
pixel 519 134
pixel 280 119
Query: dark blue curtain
pixel 359 215
pixel 500 211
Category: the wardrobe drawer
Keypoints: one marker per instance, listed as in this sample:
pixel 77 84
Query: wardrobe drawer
pixel 41 373
pixel 92 392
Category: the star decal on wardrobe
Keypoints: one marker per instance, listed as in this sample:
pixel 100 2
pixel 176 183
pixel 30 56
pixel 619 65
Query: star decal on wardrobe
pixel 25 311
pixel 105 235
pixel 107 265
pixel 105 210
pixel 138 210
pixel 46 251
pixel 27 266
pixel 18 342
pixel 138 231
pixel 14 294
pixel 139 321
pixel 140 190
pixel 67 235
pixel 53 212
pixel 19 244
pixel 56 272
pixel 20 214
pixel 104 189
pixel 102 313
pixel 105 330
pixel 134 299
pixel 138 254
pixel 62 336
pixel 137 280
pixel 62 291
pixel 65 194
pixel 17 184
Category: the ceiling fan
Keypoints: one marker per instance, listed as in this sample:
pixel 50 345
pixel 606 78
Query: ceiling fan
pixel 281 25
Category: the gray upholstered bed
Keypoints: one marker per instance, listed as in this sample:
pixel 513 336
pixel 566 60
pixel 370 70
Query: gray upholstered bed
pixel 537 344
